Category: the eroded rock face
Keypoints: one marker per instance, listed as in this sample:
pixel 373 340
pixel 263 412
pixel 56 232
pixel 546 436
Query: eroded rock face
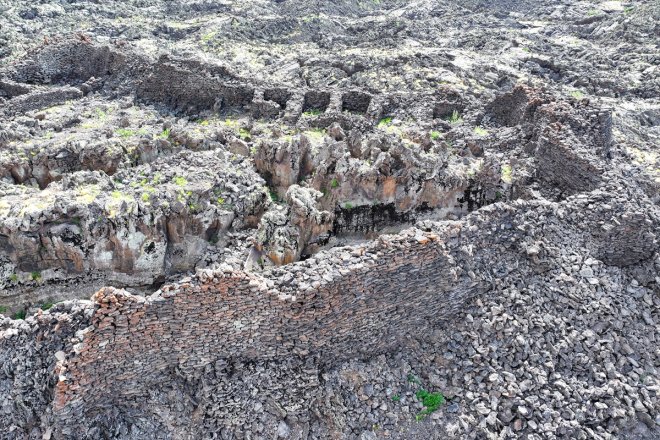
pixel 284 162
pixel 285 233
pixel 137 227
pixel 389 172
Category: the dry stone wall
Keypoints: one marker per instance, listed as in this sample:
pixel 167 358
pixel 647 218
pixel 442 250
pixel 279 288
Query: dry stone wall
pixel 350 312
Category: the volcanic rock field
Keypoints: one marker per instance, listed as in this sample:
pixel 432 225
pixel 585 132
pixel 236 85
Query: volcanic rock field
pixel 340 219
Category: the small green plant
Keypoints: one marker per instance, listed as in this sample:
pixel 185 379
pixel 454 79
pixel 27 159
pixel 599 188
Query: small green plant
pixel 384 122
pixel 480 131
pixel 526 49
pixel 47 305
pixel 13 278
pixel 431 402
pixel 244 134
pixel 36 276
pixel 231 123
pixel 316 134
pixel 273 195
pixel 19 315
pixel 194 207
pixel 507 173
pixel 220 201
pixel 592 12
pixel 125 132
pixel 577 94
pixel 165 134
pixel 312 112
pixel 3 309
pixel 208 37
pixel 145 197
pixel 101 114
pixel 396 398
pixel 435 135
pixel 334 183
pixel 455 117
pixel 179 181
pixel 348 205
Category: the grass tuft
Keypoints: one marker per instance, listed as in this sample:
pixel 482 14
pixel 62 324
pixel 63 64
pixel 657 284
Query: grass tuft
pixel 455 117
pixel 47 305
pixel 480 131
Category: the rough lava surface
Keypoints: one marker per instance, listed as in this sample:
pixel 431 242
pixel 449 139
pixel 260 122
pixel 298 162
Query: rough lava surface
pixel 343 219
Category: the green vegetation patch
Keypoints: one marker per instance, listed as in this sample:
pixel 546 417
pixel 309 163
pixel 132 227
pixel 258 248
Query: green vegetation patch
pixel 312 112
pixel 384 122
pixel 431 402
pixel 127 133
pixel 47 305
pixel 273 195
pixel 244 134
pixel 165 134
pixel 577 94
pixel 179 181
pixel 507 173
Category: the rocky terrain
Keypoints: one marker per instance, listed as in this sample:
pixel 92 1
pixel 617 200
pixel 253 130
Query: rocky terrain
pixel 350 219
